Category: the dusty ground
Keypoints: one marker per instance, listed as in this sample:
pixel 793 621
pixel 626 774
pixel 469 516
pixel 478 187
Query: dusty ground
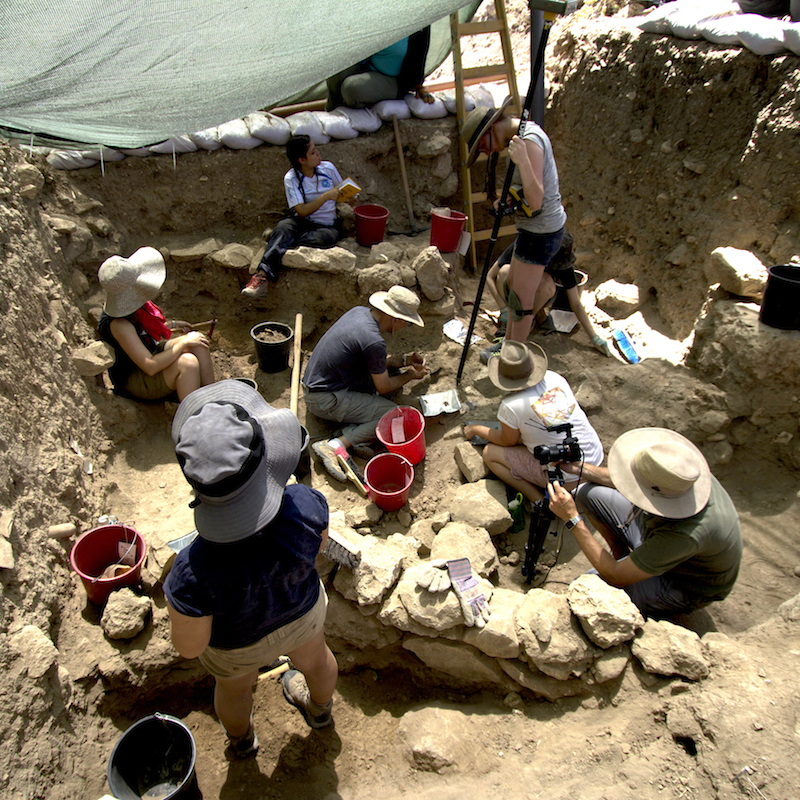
pixel 653 738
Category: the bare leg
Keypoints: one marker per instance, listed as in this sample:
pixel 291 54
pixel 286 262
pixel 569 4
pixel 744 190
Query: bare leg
pixel 318 664
pixel 494 458
pixel 574 297
pixel 183 374
pixel 203 355
pixel 524 280
pixel 233 702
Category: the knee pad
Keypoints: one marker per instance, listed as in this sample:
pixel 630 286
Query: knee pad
pixel 515 310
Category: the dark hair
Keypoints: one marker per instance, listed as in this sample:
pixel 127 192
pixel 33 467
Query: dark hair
pixel 296 148
pixel 565 257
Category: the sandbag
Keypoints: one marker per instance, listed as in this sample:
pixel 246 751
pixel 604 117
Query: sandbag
pixel 364 120
pixel 721 30
pixel 103 154
pixel 419 108
pixel 141 152
pixel 791 37
pixel 762 35
pixel 175 144
pixel 236 135
pixel 268 127
pixel 207 139
pixel 307 123
pixel 69 159
pixel 480 95
pixel 449 100
pixel 336 125
pixel 386 109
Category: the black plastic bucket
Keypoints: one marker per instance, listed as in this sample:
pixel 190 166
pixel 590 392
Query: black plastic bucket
pixel 780 304
pixel 154 758
pixel 273 356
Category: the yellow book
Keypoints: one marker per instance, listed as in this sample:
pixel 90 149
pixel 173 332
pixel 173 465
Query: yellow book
pixel 348 188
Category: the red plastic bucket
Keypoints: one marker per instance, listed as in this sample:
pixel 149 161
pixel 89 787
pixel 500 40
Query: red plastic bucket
pixel 389 477
pixel 446 228
pixel 98 549
pixel 370 224
pixel 405 437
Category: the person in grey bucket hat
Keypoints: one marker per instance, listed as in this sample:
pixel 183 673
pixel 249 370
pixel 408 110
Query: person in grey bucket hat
pixel 246 591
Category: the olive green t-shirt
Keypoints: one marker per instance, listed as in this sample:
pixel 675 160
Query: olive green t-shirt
pixel 701 553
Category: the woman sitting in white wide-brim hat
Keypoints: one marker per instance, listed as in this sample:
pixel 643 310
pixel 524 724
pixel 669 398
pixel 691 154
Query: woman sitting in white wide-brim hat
pixel 150 364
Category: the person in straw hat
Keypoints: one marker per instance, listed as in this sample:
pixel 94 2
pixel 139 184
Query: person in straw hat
pixel 150 364
pixel 540 231
pixel 672 529
pixel 348 373
pixel 246 591
pixel 538 399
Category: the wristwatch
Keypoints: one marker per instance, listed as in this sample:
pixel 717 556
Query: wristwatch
pixel 571 523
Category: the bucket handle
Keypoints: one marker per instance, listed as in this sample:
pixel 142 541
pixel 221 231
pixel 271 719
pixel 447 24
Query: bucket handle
pixel 132 542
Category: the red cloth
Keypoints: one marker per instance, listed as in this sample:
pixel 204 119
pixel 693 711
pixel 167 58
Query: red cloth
pixel 152 319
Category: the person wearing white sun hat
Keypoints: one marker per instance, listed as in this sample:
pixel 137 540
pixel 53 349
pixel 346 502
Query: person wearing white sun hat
pixel 149 363
pixel 348 373
pixel 672 529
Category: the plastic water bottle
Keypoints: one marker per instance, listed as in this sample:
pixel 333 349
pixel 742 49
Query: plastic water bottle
pixel 625 346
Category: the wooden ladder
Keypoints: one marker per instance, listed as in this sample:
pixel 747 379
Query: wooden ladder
pixel 466 76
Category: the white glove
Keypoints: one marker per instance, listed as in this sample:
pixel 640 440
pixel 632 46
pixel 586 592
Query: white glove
pixel 474 605
pixel 434 577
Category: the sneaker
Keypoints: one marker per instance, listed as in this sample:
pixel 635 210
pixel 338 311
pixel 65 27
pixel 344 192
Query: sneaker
pixel 490 351
pixel 258 285
pixel 327 455
pixel 295 690
pixel 245 746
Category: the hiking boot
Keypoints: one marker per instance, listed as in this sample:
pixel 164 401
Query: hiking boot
pixel 245 746
pixel 295 690
pixel 490 351
pixel 258 286
pixel 327 455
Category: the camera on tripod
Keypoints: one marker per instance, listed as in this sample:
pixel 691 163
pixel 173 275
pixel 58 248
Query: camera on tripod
pixel 548 456
pixel 569 450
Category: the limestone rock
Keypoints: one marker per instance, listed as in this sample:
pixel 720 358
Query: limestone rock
pixel 35 648
pixel 551 637
pixel 739 272
pixel 540 684
pixel 333 260
pixel 458 660
pixel 125 614
pixel 469 461
pixel 345 621
pixel 196 252
pixel 790 610
pixel 406 546
pixel 79 282
pixel 611 663
pixel 458 540
pixel 432 273
pixel 482 505
pixel 433 739
pixel 668 649
pixel 393 612
pixel 93 359
pixel 422 531
pixel 446 307
pixel 437 611
pixel 379 278
pixel 31 180
pixel 363 513
pixel 233 256
pixel 606 614
pixel 499 639
pixel 384 252
pixel 617 299
pixel 433 146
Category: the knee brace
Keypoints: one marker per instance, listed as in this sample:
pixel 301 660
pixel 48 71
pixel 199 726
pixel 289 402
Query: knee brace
pixel 515 310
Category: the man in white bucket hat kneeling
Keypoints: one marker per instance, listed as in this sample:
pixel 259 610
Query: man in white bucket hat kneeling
pixel 348 373
pixel 672 528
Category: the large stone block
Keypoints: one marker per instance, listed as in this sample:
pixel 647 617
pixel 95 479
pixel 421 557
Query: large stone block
pixel 668 649
pixel 457 540
pixel 458 660
pixel 499 639
pixel 470 462
pixel 737 271
pixel 482 505
pixel 606 614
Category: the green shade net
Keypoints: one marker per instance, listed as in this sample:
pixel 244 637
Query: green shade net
pixel 129 74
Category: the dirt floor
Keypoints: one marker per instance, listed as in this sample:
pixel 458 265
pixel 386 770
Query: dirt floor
pixel 639 215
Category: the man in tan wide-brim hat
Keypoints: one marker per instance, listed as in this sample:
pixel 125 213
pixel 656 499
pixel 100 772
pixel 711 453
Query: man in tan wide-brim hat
pixel 348 374
pixel 672 528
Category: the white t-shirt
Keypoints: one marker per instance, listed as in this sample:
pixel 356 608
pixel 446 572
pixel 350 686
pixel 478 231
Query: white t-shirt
pixel 551 402
pixel 326 176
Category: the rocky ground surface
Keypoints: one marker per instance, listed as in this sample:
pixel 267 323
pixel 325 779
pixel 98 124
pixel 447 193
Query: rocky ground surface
pixel 657 172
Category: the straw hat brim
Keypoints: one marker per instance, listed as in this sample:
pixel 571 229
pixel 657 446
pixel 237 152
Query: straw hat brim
pixel 378 300
pixel 475 131
pixel 151 272
pixel 509 385
pixel 620 460
pixel 256 503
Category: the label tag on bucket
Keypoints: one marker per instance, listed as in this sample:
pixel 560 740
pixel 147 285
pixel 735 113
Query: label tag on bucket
pixel 463 244
pixel 398 430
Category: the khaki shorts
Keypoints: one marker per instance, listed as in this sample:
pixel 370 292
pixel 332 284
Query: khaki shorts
pixel 234 663
pixel 148 387
pixel 523 464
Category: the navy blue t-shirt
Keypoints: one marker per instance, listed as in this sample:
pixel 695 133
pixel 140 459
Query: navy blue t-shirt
pixel 260 584
pixel 349 352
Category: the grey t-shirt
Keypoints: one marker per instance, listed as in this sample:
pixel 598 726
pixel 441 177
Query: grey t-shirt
pixel 348 354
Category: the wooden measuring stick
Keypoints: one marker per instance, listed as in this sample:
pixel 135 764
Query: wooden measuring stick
pixel 298 335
